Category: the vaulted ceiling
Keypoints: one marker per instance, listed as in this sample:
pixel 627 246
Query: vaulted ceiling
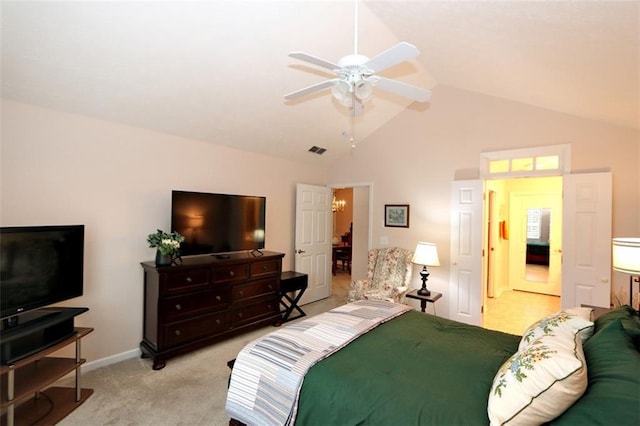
pixel 217 70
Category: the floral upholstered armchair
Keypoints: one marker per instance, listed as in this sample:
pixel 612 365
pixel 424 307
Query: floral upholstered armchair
pixel 388 276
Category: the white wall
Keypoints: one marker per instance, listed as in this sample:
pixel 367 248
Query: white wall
pixel 360 244
pixel 414 158
pixel 59 168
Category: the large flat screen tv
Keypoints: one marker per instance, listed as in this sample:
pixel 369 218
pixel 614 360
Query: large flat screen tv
pixel 218 223
pixel 39 265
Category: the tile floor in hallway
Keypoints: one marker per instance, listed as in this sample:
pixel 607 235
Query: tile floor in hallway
pixel 513 311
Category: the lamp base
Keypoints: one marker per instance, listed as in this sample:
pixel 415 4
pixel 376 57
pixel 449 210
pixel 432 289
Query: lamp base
pixel 424 274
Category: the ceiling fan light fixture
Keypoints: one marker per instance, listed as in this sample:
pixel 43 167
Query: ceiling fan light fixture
pixel 342 92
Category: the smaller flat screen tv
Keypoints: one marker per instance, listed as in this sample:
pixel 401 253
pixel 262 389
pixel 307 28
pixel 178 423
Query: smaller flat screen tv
pixel 218 223
pixel 39 266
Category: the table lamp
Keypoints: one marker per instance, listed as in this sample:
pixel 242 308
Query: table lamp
pixel 426 254
pixel 626 258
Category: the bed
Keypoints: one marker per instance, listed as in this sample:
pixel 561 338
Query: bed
pixel 412 368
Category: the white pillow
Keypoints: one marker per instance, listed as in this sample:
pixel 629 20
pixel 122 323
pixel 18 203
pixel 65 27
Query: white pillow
pixel 539 382
pixel 559 322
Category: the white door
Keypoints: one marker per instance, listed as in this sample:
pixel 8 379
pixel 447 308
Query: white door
pixel 465 286
pixel 313 240
pixel 532 275
pixel 586 269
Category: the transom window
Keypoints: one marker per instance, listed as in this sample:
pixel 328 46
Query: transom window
pixel 535 161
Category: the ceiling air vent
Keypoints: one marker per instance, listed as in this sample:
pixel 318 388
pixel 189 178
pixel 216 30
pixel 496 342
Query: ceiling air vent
pixel 317 150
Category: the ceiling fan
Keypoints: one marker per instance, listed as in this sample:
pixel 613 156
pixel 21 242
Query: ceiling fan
pixel 356 75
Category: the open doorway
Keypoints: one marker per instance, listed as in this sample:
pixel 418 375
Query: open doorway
pixel 524 246
pixel 342 243
pixel 355 220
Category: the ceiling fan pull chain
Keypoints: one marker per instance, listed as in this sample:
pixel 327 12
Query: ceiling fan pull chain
pixel 353 122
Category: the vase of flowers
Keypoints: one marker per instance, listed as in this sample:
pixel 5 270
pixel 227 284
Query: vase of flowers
pixel 167 246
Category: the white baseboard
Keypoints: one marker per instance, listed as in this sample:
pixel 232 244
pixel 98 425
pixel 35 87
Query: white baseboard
pixel 103 362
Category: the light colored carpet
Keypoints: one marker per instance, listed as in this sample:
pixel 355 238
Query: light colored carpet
pixel 190 390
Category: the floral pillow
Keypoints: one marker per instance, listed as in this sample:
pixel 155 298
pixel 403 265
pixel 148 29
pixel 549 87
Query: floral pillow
pixel 560 322
pixel 539 382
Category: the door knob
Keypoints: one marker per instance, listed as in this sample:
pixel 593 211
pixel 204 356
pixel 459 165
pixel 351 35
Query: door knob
pixel 299 251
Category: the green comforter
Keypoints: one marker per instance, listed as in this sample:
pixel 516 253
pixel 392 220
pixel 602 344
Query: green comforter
pixel 396 375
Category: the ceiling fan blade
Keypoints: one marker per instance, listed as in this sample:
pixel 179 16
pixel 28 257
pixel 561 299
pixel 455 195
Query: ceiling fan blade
pixel 403 89
pixel 310 89
pixel 314 60
pixel 401 52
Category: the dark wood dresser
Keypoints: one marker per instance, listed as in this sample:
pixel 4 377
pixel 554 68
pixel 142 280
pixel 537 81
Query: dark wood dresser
pixel 207 299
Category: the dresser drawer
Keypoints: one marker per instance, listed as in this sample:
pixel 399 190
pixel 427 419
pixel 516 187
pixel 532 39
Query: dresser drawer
pixel 193 304
pixel 255 311
pixel 193 329
pixel 254 289
pixel 268 267
pixel 230 273
pixel 186 280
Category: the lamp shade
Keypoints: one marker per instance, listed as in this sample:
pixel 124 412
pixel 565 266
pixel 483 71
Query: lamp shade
pixel 426 254
pixel 626 255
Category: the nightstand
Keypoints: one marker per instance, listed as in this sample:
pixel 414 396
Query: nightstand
pixel 432 298
pixel 596 311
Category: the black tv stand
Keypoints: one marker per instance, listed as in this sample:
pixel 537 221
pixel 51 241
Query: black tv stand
pixel 34 331
pixel 28 319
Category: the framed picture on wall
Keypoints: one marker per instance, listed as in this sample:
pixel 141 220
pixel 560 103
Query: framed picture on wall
pixel 396 215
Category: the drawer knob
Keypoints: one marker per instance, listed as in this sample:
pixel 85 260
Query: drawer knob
pixel 264 267
pixel 218 321
pixel 241 293
pixel 218 298
pixel 177 332
pixel 231 273
pixel 239 314
pixel 269 306
pixel 178 307
pixel 270 287
pixel 189 279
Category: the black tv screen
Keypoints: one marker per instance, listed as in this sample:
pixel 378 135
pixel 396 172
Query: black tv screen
pixel 39 265
pixel 218 223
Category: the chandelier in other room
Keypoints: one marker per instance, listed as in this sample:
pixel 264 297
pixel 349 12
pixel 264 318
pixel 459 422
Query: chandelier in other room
pixel 337 205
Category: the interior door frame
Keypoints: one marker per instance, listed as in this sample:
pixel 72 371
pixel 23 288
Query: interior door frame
pixel 357 256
